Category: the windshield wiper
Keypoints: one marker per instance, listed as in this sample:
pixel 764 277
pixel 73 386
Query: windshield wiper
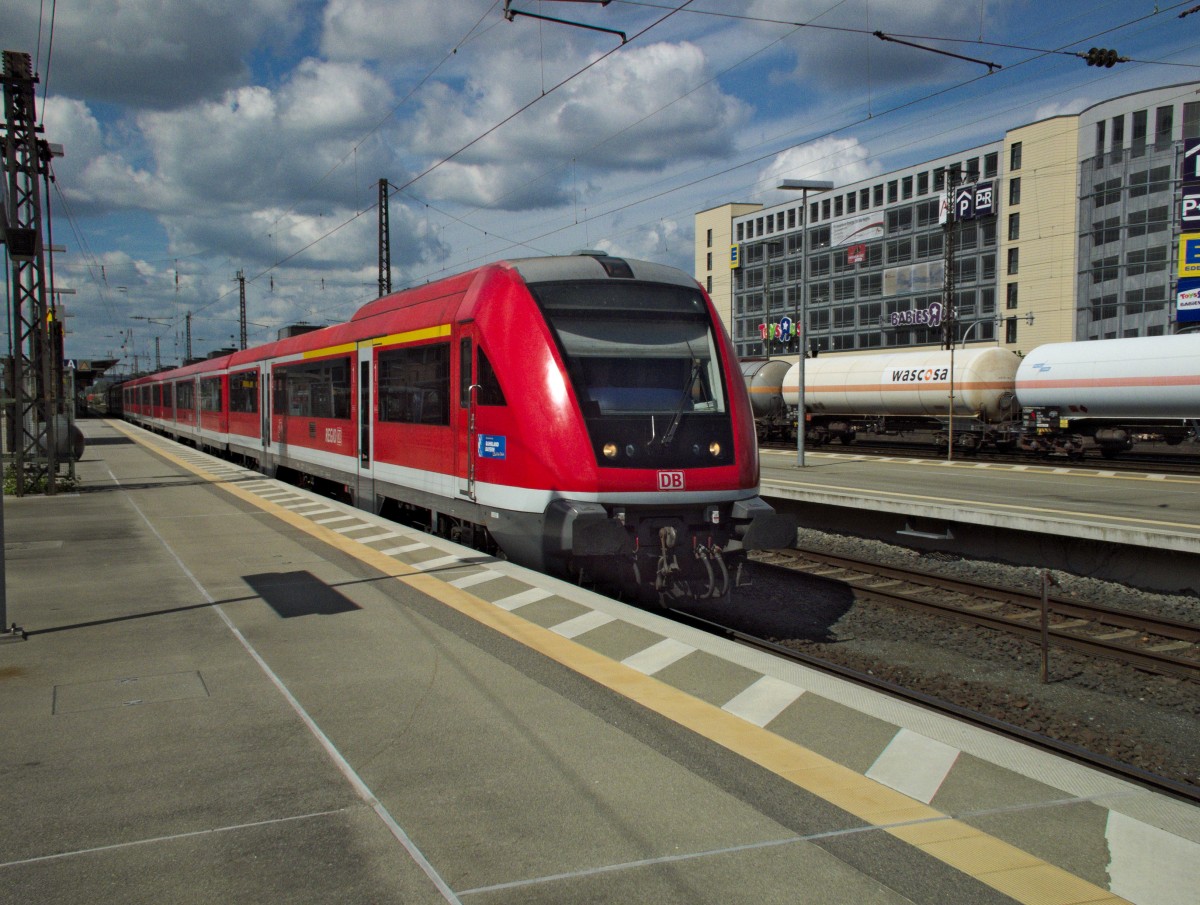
pixel 668 436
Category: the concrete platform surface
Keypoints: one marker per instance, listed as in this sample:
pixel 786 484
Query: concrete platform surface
pixel 235 691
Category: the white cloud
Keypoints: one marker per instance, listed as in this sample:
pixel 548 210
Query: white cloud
pixel 841 160
pixel 395 30
pixel 157 53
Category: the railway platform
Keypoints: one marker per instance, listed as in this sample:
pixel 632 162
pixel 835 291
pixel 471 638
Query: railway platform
pixel 1139 528
pixel 234 690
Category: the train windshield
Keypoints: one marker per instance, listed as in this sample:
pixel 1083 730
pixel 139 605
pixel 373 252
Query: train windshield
pixel 644 364
pixel 636 348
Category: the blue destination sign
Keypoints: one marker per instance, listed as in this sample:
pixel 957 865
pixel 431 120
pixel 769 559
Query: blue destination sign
pixel 491 447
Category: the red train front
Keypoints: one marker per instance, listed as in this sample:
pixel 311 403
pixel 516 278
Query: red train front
pixel 584 414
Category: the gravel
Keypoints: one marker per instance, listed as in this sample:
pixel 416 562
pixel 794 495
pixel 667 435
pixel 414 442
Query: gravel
pixel 1137 718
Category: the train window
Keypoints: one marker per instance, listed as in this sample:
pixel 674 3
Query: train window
pixel 489 392
pixel 243 392
pixel 317 390
pixel 210 394
pixel 465 373
pixel 185 395
pixel 414 384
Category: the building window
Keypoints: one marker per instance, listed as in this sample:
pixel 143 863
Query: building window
pixel 1100 138
pixel 825 209
pixel 923 183
pixel 899 219
pixel 906 187
pixel 1137 138
pixel 709 239
pixel 972 169
pixel 892 192
pixel 1014 190
pixel 1010 301
pixel 851 203
pixel 877 195
pixel 1014 227
pixel 864 198
pixel 1191 120
pixel 838 208
pixel 1010 330
pixel 1014 156
pixel 741 231
pixel 791 218
pixel 1013 261
pixel 1164 125
pixel 708 261
pixel 709 286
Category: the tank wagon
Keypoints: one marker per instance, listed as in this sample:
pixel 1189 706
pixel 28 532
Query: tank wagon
pixel 1061 398
pixel 1114 391
pixel 583 415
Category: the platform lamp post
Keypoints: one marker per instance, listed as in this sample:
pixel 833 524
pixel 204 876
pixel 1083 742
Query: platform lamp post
pixel 803 186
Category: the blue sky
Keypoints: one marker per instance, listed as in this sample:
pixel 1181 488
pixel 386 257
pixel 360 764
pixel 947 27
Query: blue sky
pixel 206 138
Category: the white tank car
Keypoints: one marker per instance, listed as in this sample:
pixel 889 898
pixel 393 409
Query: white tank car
pixel 1140 377
pixel 908 384
pixel 764 381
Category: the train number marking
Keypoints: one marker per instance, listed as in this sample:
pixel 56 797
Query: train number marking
pixel 670 480
pixel 333 435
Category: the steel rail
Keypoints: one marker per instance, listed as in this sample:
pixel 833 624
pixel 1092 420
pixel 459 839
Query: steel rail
pixel 1158 661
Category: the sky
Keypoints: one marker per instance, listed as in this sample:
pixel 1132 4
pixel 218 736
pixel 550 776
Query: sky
pixel 204 139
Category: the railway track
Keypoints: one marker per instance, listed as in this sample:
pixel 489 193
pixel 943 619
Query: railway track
pixel 1142 640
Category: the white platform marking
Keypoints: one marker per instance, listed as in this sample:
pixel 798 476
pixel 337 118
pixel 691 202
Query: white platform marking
pixel 1146 864
pixel 336 518
pixel 764 700
pixel 914 765
pixel 533 595
pixel 573 628
pixel 406 548
pixel 658 656
pixel 437 563
pixel 469 581
pixel 387 535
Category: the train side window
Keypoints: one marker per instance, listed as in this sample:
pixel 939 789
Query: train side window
pixel 489 384
pixel 414 384
pixel 243 392
pixel 464 372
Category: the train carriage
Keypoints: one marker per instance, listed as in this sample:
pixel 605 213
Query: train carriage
pixel 583 414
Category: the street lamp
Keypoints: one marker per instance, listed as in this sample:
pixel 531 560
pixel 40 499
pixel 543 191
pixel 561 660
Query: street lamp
pixel 803 185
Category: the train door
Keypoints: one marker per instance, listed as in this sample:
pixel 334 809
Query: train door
pixel 364 496
pixel 464 414
pixel 279 411
pixel 264 413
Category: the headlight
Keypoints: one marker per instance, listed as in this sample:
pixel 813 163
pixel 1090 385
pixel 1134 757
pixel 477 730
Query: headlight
pixel 714 449
pixel 610 450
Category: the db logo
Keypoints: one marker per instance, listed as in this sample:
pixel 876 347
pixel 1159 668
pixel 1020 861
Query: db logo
pixel 670 480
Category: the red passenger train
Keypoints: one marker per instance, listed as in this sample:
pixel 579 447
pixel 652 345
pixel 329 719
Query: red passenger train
pixel 584 415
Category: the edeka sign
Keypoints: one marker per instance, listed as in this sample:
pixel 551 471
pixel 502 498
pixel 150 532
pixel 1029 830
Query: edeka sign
pixel 1187 301
pixel 1189 255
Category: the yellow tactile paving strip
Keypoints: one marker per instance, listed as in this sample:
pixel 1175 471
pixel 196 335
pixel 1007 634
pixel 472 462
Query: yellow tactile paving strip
pixel 989 860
